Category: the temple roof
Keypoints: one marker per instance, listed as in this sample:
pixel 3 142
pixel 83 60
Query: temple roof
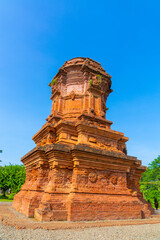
pixel 86 63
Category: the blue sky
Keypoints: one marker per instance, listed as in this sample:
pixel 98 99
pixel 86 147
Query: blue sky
pixel 37 37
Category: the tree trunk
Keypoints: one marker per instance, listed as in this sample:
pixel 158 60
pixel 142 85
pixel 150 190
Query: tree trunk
pixel 4 192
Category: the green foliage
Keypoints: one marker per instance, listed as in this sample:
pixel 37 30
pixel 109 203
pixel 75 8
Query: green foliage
pixel 11 196
pixel 99 77
pixel 7 197
pixel 150 182
pixel 53 81
pixel 90 82
pixel 12 177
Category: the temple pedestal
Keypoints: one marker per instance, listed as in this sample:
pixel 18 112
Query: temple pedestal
pixel 96 185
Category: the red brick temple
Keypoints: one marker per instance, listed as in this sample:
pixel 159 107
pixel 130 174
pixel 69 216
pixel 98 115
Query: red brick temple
pixel 79 169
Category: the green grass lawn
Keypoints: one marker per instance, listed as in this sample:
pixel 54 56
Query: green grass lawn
pixel 5 200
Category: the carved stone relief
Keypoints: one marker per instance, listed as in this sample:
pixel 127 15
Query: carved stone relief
pixel 92 177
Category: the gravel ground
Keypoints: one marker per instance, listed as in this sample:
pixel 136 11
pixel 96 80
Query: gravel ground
pixel 6 203
pixel 136 232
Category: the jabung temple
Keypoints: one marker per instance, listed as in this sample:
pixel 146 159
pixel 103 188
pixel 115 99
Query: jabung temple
pixel 79 169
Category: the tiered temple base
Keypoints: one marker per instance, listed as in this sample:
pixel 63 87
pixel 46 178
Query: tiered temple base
pixel 80 169
pixel 81 183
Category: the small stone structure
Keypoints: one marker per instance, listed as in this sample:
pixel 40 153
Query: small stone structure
pixel 80 169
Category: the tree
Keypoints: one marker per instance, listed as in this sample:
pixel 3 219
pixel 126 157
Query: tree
pixel 0 152
pixel 4 183
pixel 12 177
pixel 150 183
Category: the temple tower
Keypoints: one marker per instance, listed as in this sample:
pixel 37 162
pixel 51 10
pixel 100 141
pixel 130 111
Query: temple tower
pixel 79 169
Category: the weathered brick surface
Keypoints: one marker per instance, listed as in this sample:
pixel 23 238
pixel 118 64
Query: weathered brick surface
pixel 80 169
pixel 10 217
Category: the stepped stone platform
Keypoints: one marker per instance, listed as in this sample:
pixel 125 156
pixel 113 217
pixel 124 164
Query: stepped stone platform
pixel 79 169
pixel 10 217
